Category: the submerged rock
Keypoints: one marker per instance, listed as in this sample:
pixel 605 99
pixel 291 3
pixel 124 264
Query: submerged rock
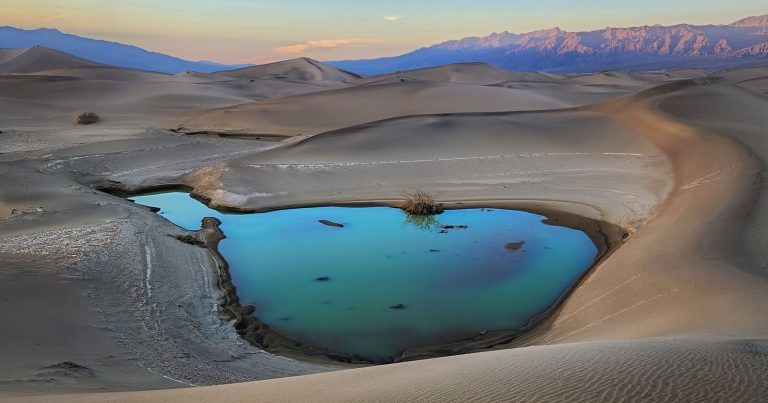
pixel 447 227
pixel 323 278
pixel 28 211
pixel 72 368
pixel 514 245
pixel 331 223
pixel 397 307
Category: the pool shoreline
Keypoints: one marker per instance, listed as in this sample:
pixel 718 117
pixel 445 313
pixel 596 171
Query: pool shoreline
pixel 605 236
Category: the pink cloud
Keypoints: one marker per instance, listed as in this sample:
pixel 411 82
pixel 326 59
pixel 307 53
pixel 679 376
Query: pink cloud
pixel 322 44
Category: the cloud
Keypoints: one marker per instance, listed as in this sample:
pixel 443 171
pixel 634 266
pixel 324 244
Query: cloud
pixel 393 18
pixel 322 44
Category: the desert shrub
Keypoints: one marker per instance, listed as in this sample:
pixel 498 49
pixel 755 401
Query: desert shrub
pixel 87 118
pixel 421 203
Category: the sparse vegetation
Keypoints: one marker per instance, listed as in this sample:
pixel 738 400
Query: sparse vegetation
pixel 421 203
pixel 87 118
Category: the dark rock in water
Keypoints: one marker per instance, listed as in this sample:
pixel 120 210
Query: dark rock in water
pixel 331 223
pixel 323 278
pixel 514 245
pixel 154 209
pixel 189 239
pixel 443 231
pixel 246 309
pixel 434 250
pixel 72 368
pixel 455 226
pixel 398 307
pixel 285 318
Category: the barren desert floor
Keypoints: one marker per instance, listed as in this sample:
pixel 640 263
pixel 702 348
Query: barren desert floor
pixel 100 304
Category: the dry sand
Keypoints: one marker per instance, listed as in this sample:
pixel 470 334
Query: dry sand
pixel 101 299
pixel 648 370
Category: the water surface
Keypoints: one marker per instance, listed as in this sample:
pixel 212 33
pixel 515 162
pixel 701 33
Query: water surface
pixel 384 283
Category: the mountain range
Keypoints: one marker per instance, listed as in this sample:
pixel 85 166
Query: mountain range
pixel 104 52
pixel 741 43
pixel 744 42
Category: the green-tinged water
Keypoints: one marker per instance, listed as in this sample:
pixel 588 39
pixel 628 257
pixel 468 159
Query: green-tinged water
pixel 384 283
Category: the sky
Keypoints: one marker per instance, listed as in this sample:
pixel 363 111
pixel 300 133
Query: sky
pixel 260 31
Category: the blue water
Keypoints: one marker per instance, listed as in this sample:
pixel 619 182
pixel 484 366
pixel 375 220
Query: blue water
pixel 385 283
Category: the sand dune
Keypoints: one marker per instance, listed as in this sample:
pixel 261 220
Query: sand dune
pixel 755 78
pixel 30 60
pixel 469 87
pixel 653 370
pixel 465 73
pixel 301 69
pixel 695 268
pixel 653 287
pixel 615 78
pixel 161 99
pixel 198 78
pixel 104 73
pixel 320 112
pixel 741 75
pixel 675 74
pixel 674 159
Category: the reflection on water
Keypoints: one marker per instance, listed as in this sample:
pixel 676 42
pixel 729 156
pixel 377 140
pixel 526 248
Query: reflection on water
pixel 422 222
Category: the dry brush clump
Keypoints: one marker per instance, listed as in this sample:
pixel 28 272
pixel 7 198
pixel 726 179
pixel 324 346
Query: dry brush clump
pixel 421 203
pixel 87 118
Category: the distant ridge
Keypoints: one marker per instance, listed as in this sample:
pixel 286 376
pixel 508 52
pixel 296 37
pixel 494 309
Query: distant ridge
pixel 106 52
pixel 741 43
pixel 758 21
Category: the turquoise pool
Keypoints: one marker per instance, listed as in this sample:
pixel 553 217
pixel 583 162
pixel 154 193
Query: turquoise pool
pixel 385 282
